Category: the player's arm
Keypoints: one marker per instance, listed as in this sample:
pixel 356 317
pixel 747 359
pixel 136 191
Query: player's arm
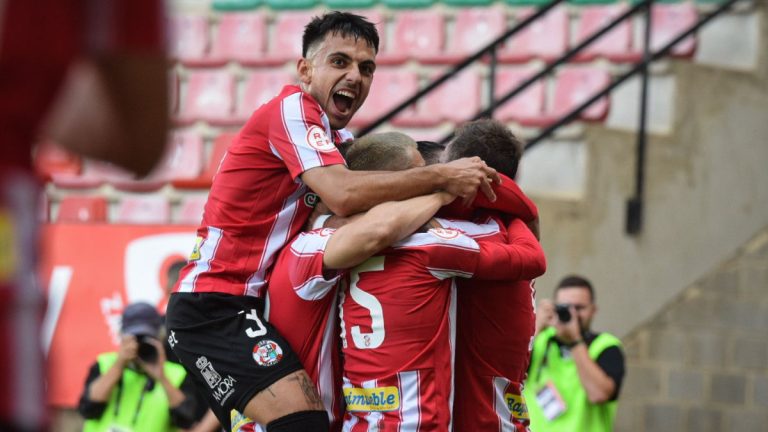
pixel 380 227
pixel 347 192
pixel 520 258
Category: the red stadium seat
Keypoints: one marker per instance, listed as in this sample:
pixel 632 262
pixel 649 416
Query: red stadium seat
pixel 260 87
pixel 475 28
pixel 669 21
pixel 613 45
pixel 546 38
pixel 241 37
pixel 526 108
pixel 173 92
pixel 143 209
pixel 390 88
pixel 203 181
pixel 51 160
pixel 418 34
pixel 209 96
pixel 575 85
pixel 75 208
pixel 191 209
pixel 285 44
pixel 190 39
pixel 456 100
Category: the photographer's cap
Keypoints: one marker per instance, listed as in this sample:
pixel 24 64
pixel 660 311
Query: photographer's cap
pixel 141 319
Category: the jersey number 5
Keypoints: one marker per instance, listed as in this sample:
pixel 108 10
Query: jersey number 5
pixel 375 338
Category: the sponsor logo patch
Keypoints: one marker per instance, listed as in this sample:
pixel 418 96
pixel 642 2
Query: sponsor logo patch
pixel 517 406
pixel 318 140
pixel 195 255
pixel 444 233
pixel 221 388
pixel 372 399
pixel 267 353
pixel 310 200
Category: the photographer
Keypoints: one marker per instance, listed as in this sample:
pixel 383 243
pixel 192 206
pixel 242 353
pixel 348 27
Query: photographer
pixel 135 388
pixel 575 374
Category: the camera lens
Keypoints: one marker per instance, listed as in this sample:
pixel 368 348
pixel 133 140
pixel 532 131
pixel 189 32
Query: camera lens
pixel 563 313
pixel 146 352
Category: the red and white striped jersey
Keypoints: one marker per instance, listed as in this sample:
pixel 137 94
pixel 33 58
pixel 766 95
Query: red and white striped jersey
pixel 495 326
pixel 301 304
pixel 257 201
pixel 397 325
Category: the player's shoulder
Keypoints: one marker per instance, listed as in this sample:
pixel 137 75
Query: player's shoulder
pixel 311 242
pixel 449 237
pixel 485 228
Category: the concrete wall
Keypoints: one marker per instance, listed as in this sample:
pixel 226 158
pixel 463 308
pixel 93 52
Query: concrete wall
pixel 706 195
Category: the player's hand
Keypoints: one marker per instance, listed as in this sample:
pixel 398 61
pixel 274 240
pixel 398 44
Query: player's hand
pixel 154 369
pixel 319 210
pixel 467 175
pixel 129 348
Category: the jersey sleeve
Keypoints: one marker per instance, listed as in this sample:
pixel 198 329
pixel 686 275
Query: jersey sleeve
pixel 298 137
pixel 450 253
pixel 520 258
pixel 304 265
pixel 510 201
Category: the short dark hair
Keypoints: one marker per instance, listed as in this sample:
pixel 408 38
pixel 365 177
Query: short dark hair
pixel 576 281
pixel 342 23
pixel 385 151
pixel 430 151
pixel 490 140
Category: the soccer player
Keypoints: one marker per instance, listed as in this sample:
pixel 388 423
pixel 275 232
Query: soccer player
pixel 495 319
pixel 260 198
pixel 396 315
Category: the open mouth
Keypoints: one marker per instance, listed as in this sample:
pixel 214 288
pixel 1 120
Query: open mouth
pixel 343 100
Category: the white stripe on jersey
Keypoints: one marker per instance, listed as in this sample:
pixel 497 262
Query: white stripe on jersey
pixel 500 385
pixel 276 239
pixel 373 417
pixel 471 229
pixel 207 254
pixel 326 385
pixel 275 152
pixel 294 121
pixel 410 410
pixel 316 288
pixel 452 342
pixel 443 274
pixel 426 239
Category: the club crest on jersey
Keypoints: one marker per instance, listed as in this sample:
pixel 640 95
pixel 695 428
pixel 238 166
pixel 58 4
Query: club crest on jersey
pixel 444 233
pixel 517 406
pixel 372 399
pixel 318 140
pixel 267 353
pixel 195 255
pixel 310 199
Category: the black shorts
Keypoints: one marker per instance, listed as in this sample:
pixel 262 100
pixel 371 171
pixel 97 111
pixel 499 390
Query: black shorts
pixel 229 349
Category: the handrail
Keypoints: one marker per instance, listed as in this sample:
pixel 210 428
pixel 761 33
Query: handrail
pixel 469 60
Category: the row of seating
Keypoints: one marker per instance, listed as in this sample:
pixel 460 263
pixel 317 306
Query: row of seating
pixel 133 209
pixel 407 4
pixel 430 37
pixel 210 96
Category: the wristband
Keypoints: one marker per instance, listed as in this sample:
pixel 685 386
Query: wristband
pixel 320 221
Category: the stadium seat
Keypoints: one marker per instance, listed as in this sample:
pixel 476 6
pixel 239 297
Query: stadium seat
pixel 260 87
pixel 191 209
pixel 546 38
pixel 285 43
pixel 190 37
pixel 203 181
pixel 669 21
pixel 74 208
pixel 592 2
pixel 230 5
pixel 577 84
pixel 407 4
pixel 241 37
pixel 474 29
pixel 209 97
pixel 94 174
pixel 291 4
pixel 51 160
pixel 468 2
pixel 348 4
pixel 613 45
pixel 417 34
pixel 527 2
pixel 527 107
pixel 457 100
pixel 390 88
pixel 143 209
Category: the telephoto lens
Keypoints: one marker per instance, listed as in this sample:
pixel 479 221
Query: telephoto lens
pixel 147 352
pixel 563 313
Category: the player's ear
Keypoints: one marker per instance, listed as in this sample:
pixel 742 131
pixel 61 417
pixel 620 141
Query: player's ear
pixel 304 68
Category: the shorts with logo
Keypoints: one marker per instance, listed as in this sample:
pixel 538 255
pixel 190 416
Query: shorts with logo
pixel 229 349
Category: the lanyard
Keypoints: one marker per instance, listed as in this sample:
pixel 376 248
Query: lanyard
pixel 147 387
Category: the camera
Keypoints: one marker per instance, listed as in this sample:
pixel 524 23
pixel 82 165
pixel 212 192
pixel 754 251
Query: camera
pixel 147 352
pixel 563 312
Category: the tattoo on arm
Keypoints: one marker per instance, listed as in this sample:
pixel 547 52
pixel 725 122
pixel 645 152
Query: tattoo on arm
pixel 310 392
